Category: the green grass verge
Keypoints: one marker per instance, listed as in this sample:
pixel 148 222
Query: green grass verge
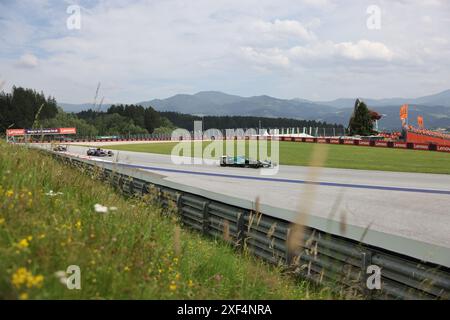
pixel 134 252
pixel 339 156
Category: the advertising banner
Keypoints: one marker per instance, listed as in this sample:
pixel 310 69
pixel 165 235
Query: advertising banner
pixel 15 132
pixel 22 132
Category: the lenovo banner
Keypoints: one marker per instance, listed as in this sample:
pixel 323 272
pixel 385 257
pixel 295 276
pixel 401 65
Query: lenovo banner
pixel 22 132
pixel 15 132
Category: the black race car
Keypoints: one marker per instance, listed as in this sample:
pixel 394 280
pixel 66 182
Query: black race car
pixel 97 152
pixel 243 162
pixel 60 148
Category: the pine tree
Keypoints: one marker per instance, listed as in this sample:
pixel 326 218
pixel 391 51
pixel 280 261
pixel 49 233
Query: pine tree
pixel 361 122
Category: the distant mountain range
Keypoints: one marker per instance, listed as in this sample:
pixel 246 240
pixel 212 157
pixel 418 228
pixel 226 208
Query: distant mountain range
pixel 434 108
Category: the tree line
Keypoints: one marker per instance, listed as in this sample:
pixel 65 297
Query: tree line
pixel 24 108
pixel 186 121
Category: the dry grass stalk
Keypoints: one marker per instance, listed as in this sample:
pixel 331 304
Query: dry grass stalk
pixel 226 231
pixel 318 158
pixel 177 241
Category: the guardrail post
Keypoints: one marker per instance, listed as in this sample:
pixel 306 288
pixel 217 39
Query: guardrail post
pixel 205 211
pixel 145 189
pixel 120 183
pixel 240 229
pixel 179 203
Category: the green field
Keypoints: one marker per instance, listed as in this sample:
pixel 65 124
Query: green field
pixel 136 251
pixel 339 156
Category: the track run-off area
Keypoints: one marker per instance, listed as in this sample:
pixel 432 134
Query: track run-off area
pixel 410 205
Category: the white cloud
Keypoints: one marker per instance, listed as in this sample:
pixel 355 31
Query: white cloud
pixel 266 58
pixel 320 53
pixel 364 50
pixel 145 49
pixel 28 61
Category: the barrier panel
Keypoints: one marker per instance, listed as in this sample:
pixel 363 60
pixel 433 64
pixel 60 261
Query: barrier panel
pixel 443 148
pixel 421 146
pixel 349 141
pixel 363 143
pixel 381 144
pixel 400 145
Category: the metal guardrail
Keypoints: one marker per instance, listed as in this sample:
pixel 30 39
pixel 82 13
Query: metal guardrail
pixel 321 257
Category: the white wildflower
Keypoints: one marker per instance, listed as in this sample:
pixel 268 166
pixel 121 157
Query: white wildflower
pixel 53 194
pixel 100 209
pixel 60 274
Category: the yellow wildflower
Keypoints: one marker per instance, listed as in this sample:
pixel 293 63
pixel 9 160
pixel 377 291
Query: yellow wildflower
pixel 177 276
pixel 20 277
pixel 173 286
pixel 23 296
pixel 24 277
pixel 2 221
pixel 35 281
pixel 78 225
pixel 9 193
pixel 190 283
pixel 23 244
pixel 126 268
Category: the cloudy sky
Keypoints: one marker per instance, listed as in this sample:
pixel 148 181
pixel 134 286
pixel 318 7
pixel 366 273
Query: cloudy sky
pixel 140 50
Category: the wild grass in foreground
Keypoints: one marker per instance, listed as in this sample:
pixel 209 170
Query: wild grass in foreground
pixel 134 251
pixel 339 156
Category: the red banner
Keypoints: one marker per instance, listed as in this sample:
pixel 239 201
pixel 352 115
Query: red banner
pixel 401 145
pixel 22 132
pixel 419 146
pixel 68 130
pixel 443 148
pixel 381 143
pixel 15 132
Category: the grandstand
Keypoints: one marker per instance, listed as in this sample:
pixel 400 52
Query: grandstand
pixel 416 135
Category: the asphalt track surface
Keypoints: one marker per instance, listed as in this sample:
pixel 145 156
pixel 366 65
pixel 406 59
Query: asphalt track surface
pixel 410 205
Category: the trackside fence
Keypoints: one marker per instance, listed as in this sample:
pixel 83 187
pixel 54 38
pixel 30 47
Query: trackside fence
pixel 321 257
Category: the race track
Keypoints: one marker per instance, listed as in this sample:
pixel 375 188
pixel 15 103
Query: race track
pixel 411 205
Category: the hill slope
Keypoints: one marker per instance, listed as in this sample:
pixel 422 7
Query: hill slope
pixel 434 108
